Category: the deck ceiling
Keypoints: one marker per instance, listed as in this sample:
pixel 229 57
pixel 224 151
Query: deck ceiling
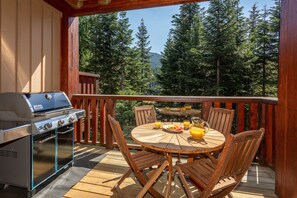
pixel 89 7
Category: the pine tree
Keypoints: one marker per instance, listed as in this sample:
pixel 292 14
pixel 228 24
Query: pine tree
pixel 144 48
pixel 124 41
pixel 85 32
pixel 251 55
pixel 264 52
pixel 180 71
pixel 224 44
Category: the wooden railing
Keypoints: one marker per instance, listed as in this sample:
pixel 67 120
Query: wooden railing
pixel 250 113
pixel 88 83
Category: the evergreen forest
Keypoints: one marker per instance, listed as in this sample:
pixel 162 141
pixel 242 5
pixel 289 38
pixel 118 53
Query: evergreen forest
pixel 213 51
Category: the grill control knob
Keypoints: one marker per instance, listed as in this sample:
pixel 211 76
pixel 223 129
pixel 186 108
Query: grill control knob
pixel 70 119
pixel 48 125
pixel 61 122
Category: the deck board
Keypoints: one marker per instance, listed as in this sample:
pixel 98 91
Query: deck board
pixel 258 182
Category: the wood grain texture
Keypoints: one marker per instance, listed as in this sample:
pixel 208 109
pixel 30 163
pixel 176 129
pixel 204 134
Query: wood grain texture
pixel 70 55
pixel 253 116
pixel 240 117
pixel 27 46
pixel 110 109
pixel 286 154
pixel 36 47
pixel 56 51
pixel 94 107
pixel 258 182
pixel 24 40
pixel 8 45
pixel 182 143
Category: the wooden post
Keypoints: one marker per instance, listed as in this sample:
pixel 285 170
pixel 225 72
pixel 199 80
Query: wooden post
pixel 69 80
pixel 205 109
pixel 110 109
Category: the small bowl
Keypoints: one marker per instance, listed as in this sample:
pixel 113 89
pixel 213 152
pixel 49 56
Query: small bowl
pixel 197 132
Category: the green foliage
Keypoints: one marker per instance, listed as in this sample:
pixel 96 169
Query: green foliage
pixel 221 52
pixel 143 47
pixel 180 69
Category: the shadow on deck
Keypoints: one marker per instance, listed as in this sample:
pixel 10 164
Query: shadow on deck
pixel 97 169
pixel 258 182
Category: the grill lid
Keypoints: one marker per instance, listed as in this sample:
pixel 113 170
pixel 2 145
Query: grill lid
pixel 41 102
pixel 27 105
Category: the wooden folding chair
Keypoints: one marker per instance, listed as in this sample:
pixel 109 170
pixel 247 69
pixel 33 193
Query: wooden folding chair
pixel 219 179
pixel 144 114
pixel 138 163
pixel 221 120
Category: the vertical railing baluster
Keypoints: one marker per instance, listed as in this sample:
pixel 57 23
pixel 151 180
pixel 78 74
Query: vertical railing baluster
pixel 110 109
pixel 229 105
pixel 240 117
pixel 253 116
pixel 102 105
pixel 87 131
pixel 217 104
pixel 94 104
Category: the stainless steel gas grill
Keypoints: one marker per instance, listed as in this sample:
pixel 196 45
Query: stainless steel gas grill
pixel 36 137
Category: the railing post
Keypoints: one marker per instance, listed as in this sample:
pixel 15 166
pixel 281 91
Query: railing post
pixel 110 109
pixel 205 109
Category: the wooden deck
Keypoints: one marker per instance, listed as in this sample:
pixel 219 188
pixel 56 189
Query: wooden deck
pixel 258 182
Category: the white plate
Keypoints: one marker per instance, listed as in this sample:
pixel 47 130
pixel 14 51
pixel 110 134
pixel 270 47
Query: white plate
pixel 169 128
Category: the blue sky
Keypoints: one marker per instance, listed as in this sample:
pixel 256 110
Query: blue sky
pixel 158 20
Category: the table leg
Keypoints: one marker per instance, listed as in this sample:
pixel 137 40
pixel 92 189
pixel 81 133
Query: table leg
pixel 170 168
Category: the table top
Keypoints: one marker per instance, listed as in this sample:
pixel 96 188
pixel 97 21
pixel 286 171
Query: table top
pixel 182 143
pixel 180 112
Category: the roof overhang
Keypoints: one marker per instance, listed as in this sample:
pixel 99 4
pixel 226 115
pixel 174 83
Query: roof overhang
pixel 89 7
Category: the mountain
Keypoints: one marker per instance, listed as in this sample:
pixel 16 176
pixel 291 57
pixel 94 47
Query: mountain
pixel 155 59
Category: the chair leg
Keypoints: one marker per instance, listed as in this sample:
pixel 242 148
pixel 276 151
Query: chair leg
pixel 184 183
pixel 151 181
pixel 117 185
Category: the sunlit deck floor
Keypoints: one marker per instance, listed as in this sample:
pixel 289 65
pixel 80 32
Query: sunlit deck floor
pixel 258 182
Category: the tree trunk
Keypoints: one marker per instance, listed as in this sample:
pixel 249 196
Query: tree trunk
pixel 218 77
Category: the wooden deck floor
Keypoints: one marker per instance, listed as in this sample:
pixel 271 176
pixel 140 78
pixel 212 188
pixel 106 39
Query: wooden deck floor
pixel 258 182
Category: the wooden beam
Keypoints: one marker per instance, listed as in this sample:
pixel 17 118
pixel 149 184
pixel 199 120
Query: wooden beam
pixel 93 7
pixel 69 56
pixel 286 126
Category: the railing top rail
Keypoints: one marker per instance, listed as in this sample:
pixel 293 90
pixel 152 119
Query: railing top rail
pixel 89 74
pixel 190 99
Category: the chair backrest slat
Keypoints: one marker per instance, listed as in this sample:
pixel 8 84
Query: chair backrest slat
pixel 239 152
pixel 221 120
pixel 144 114
pixel 121 141
pixel 236 157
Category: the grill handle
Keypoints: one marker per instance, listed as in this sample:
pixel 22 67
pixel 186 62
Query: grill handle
pixel 46 139
pixel 67 131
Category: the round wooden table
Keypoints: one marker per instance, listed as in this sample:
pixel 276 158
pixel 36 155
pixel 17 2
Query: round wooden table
pixel 180 143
